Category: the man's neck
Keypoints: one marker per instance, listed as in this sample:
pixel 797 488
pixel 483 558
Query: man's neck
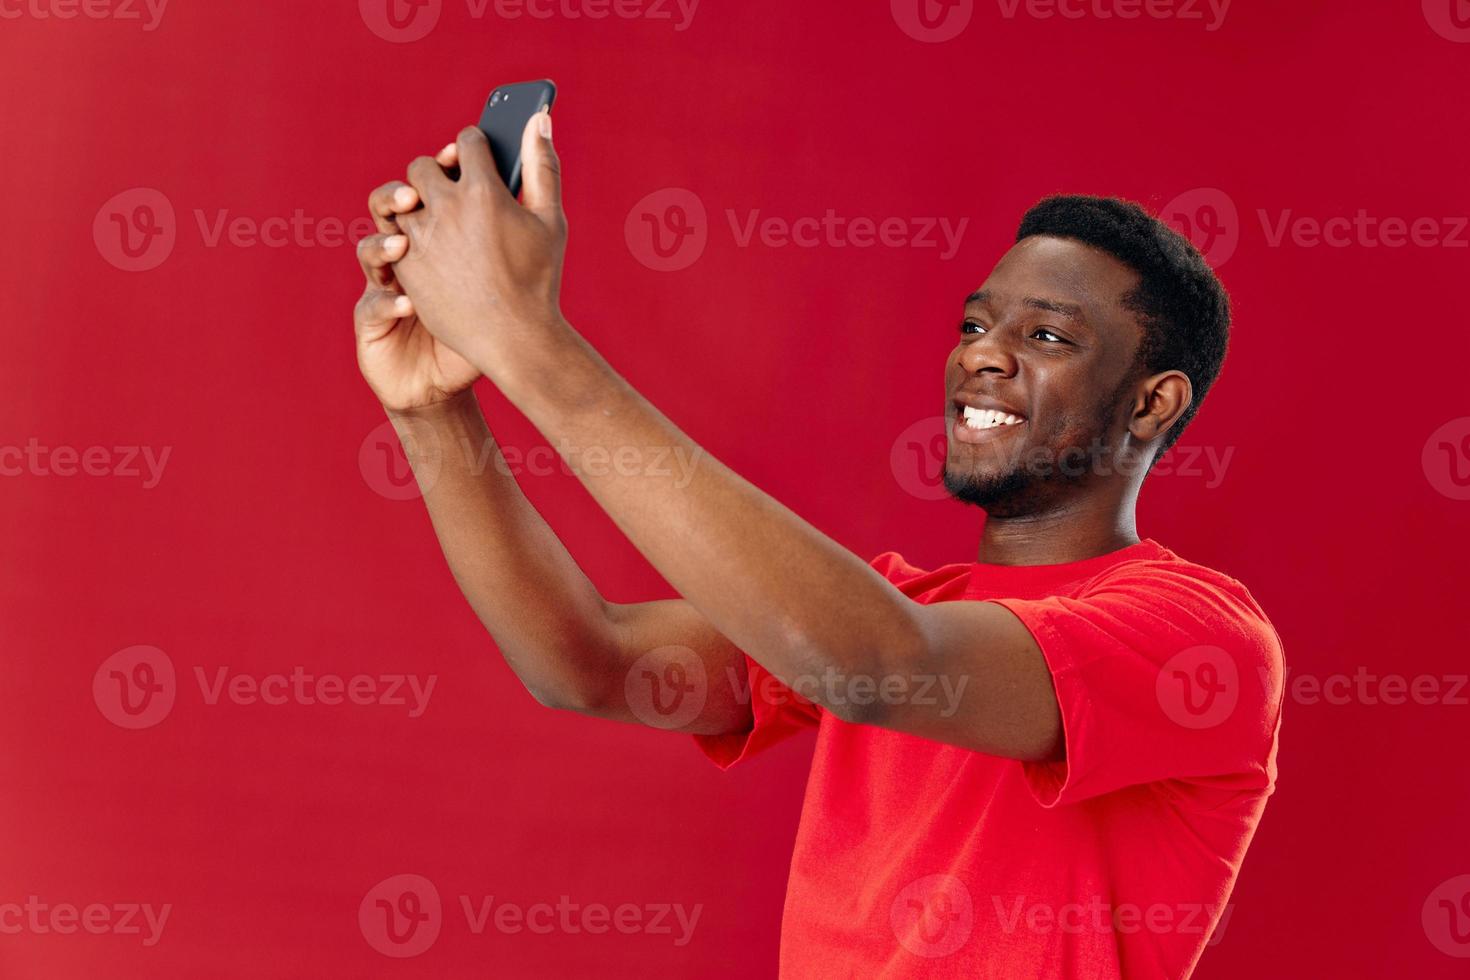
pixel 1075 532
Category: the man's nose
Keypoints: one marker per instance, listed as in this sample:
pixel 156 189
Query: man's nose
pixel 989 352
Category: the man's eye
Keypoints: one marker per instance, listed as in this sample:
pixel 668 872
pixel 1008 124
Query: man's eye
pixel 1052 338
pixel 970 326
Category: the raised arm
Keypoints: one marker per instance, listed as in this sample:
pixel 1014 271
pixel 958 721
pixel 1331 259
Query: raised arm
pixel 568 646
pixel 485 273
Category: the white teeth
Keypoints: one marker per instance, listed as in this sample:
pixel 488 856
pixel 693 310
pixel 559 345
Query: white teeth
pixel 989 418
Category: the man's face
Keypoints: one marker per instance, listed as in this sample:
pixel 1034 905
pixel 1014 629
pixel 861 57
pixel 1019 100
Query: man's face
pixel 1046 355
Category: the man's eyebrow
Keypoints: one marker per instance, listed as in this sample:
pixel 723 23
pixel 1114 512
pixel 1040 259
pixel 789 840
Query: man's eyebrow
pixel 1070 310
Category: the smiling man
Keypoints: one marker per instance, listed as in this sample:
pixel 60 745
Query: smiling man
pixel 1080 802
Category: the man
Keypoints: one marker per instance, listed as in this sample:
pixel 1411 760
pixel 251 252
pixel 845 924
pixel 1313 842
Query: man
pixel 1079 801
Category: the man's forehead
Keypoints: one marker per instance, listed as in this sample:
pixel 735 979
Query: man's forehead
pixel 1059 270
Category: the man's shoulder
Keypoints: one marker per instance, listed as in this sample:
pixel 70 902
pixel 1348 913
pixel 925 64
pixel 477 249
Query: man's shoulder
pixel 1217 602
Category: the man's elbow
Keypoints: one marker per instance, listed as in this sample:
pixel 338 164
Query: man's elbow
pixel 581 695
pixel 862 686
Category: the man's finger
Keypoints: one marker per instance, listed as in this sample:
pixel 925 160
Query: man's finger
pixel 389 201
pixel 541 172
pixel 448 158
pixel 477 163
pixel 377 253
pixel 377 312
pixel 428 178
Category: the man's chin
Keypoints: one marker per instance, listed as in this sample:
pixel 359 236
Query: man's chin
pixel 996 493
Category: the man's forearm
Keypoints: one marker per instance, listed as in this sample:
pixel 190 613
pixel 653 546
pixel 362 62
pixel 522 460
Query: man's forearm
pixel 789 596
pixel 546 616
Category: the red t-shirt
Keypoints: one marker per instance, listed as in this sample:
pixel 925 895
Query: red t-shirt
pixel 919 859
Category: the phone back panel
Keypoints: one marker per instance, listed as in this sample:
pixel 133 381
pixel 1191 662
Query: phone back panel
pixel 507 111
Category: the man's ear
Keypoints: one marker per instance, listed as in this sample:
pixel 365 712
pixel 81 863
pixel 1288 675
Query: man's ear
pixel 1162 399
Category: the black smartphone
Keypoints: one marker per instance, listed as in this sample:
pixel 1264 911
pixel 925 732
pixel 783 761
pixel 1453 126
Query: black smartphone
pixel 507 111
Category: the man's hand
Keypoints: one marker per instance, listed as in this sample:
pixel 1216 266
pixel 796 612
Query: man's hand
pixel 403 363
pixel 483 271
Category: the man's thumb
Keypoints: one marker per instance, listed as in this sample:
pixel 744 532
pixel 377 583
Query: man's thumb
pixel 540 169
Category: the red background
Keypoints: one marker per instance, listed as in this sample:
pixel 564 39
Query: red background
pixel 264 546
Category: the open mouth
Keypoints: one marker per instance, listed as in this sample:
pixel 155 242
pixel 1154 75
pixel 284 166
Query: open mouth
pixel 989 418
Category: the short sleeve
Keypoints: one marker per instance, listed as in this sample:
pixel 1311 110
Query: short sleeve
pixel 1161 673
pixel 777 713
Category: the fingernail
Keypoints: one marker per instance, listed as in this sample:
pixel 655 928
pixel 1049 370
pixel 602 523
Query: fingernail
pixel 404 196
pixel 401 304
pixel 449 148
pixel 394 242
pixel 545 122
